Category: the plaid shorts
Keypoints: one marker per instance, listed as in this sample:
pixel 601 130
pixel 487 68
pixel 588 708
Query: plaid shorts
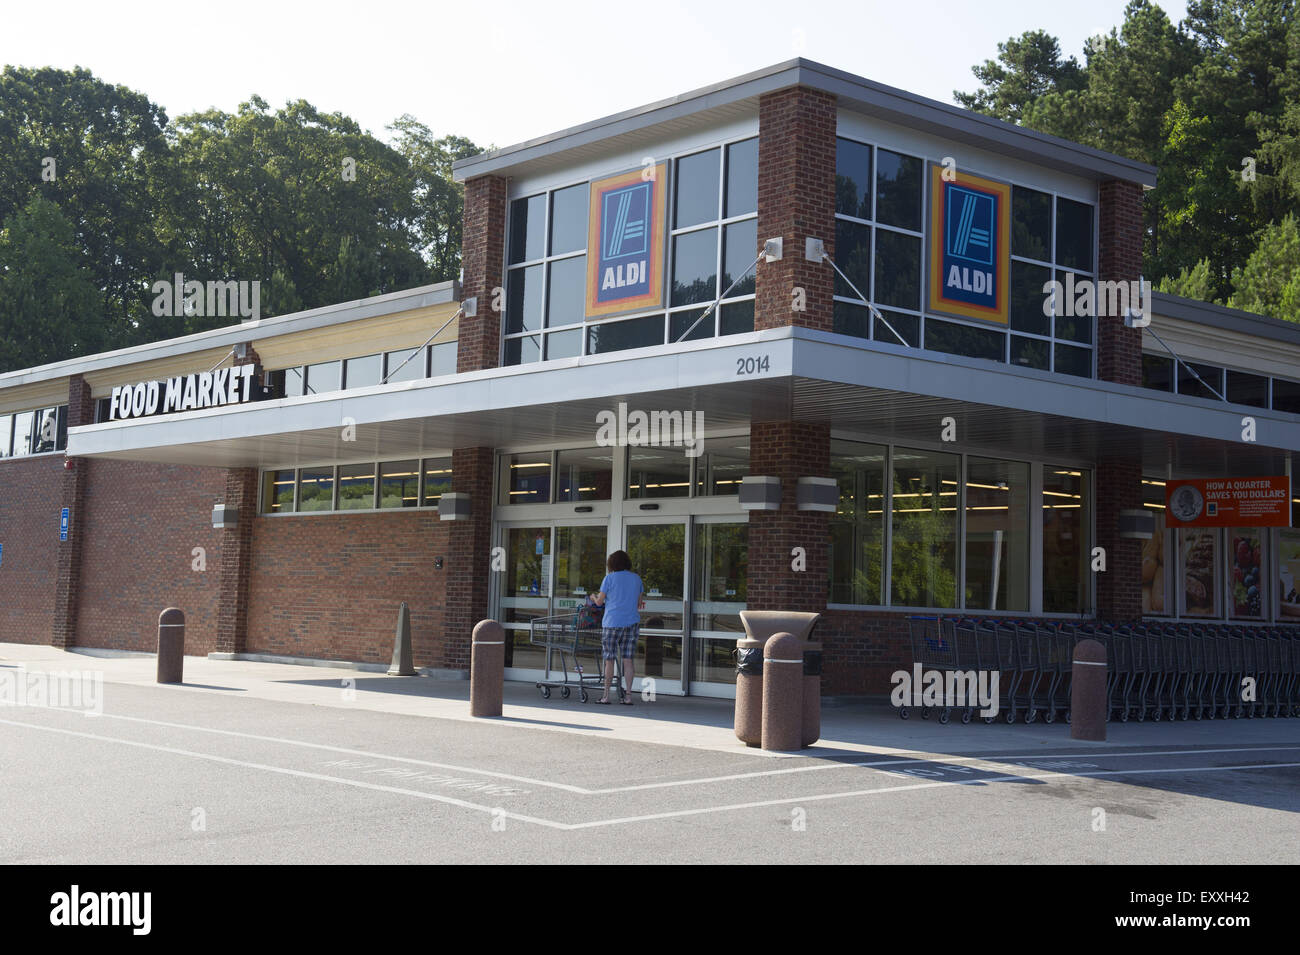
pixel 619 641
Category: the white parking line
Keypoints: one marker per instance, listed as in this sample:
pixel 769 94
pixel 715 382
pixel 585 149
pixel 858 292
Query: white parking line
pixel 672 814
pixel 912 757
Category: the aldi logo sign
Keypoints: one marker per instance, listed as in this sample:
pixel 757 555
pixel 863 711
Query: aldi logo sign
pixel 970 245
pixel 625 241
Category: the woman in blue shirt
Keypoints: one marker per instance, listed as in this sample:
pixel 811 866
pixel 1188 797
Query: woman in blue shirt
pixel 620 595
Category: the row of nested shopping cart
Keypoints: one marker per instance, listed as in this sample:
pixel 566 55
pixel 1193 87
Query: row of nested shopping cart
pixel 1154 670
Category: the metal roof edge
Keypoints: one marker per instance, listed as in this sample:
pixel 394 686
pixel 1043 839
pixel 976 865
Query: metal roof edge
pixel 440 293
pixel 1234 319
pixel 853 91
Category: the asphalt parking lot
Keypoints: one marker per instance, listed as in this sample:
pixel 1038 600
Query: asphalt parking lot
pixel 260 763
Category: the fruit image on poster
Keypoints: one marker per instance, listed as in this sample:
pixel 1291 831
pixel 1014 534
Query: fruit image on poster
pixel 1198 573
pixel 1153 570
pixel 1289 573
pixel 1246 573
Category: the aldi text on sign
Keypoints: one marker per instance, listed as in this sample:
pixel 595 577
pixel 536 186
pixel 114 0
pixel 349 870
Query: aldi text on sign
pixel 625 241
pixel 1229 502
pixel 970 245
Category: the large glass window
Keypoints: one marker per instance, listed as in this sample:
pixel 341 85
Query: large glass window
pixel 23 433
pixel 657 472
pixel 721 570
pixel 526 478
pixel 356 487
pixel 713 209
pixel 584 474
pixel 721 466
pixel 923 566
pixel 1066 519
pixel 399 484
pixel 1198 561
pixel 1245 566
pixel 316 489
pixel 323 377
pixel 437 480
pixel 857 530
pixel 364 372
pixel 6 435
pixel 277 492
pixel 997 535
pixel 1155 563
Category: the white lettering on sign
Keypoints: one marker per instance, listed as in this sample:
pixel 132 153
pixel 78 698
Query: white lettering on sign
pixel 206 389
pixel 968 281
pixel 623 275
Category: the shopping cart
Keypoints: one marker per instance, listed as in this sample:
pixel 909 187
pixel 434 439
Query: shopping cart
pixel 560 635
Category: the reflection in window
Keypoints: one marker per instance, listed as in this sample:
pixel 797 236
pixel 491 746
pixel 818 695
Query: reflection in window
pixel 852 179
pixel 584 474
pixel 719 469
pixel 1031 224
pixel 316 489
pixel 399 484
pixel 695 267
pixel 898 270
pixel 442 359
pixel 857 530
pixel 617 336
pixel 364 372
pixel 527 225
pixel 277 492
pixel 697 189
pixel 324 377
pixel 569 219
pixel 6 435
pixel 526 478
pixel 997 535
pixel 658 472
pixel 1065 539
pixel 356 487
pixel 23 433
pixel 898 190
pixel 1155 552
pixel 923 570
pixel 721 569
pixel 437 480
pixel 742 178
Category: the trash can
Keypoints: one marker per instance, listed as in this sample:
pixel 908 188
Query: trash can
pixel 759 626
pixel 749 691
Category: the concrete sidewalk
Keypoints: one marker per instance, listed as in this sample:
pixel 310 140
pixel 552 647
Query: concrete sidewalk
pixel 694 722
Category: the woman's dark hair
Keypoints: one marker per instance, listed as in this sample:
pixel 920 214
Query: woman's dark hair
pixel 619 561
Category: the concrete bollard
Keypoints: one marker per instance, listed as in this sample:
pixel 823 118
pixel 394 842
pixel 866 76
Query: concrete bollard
pixel 402 664
pixel 1088 701
pixel 783 692
pixel 749 691
pixel 812 693
pixel 171 646
pixel 487 669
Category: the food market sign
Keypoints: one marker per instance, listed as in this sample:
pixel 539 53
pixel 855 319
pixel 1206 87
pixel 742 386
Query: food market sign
pixel 207 389
pixel 1229 502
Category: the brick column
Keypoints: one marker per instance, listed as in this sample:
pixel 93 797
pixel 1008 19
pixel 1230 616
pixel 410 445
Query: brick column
pixel 1119 589
pixel 482 258
pixel 469 558
pixel 1119 349
pixel 236 561
pixel 796 199
pixel 789 450
pixel 237 542
pixel 67 585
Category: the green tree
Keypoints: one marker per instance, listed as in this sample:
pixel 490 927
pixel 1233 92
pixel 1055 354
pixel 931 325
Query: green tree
pixel 48 301
pixel 1027 67
pixel 1269 282
pixel 1189 283
pixel 439 200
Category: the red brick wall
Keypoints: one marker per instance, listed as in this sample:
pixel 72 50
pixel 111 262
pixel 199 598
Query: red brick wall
pixel 482 258
pixel 1119 349
pixel 788 450
pixel 469 561
pixel 67 588
pixel 796 199
pixel 236 560
pixel 141 523
pixel 30 498
pixel 328 586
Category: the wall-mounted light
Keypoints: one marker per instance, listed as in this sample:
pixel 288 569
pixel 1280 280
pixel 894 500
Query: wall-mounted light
pixel 223 515
pixel 453 507
pixel 760 493
pixel 1137 524
pixel 817 494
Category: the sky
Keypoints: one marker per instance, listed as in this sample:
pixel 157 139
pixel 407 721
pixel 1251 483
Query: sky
pixel 504 72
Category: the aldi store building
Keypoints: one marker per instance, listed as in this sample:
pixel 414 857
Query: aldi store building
pixel 892 411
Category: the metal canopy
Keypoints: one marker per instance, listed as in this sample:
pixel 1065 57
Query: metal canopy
pixel 867 389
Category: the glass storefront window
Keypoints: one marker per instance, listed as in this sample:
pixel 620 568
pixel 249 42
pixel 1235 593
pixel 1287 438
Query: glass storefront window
pixel 316 489
pixel 618 336
pixel 569 219
pixel 1198 552
pixel 277 492
pixel 1288 574
pixel 566 291
pixel 742 178
pixel 719 469
pixel 1155 562
pixel 997 535
pixel 898 190
pixel 1157 373
pixel 323 377
pixel 579 562
pixel 923 571
pixel 524 300
pixel 584 474
pixel 23 433
pixel 1066 518
pixel 6 435
pixel 1245 565
pixel 526 478
pixel 356 487
pixel 898 270
pixel 363 372
pixel 658 472
pixel 721 569
pixel 527 228
pixel 1074 234
pixel 437 480
pixel 404 365
pixel 399 484
pixel 442 359
pixel 1031 224
pixel 695 267
pixel 1247 389
pixel 858 528
pixel 697 189
pixel 295 382
pixel 852 179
